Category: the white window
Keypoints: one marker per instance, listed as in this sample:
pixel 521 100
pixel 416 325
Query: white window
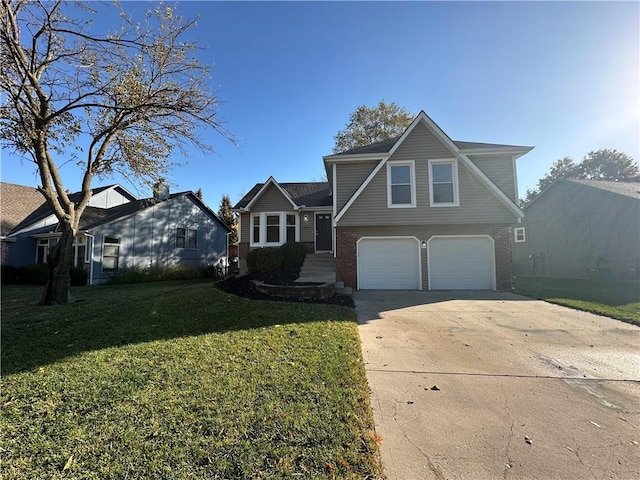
pixel 401 181
pixel 79 250
pixel 274 228
pixel 519 235
pixel 110 254
pixel 186 238
pixel 443 183
pixel 291 228
pixel 255 229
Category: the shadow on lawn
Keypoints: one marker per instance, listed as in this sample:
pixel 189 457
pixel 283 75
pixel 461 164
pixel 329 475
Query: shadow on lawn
pixel 117 315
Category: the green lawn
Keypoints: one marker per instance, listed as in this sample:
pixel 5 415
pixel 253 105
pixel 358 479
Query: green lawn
pixel 619 300
pixel 178 380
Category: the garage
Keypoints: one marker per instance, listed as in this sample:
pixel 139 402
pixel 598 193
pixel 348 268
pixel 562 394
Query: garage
pixel 461 263
pixel 389 263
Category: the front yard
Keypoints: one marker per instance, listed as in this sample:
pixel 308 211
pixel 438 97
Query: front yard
pixel 179 380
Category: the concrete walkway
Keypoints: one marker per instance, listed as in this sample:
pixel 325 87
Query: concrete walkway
pixel 489 385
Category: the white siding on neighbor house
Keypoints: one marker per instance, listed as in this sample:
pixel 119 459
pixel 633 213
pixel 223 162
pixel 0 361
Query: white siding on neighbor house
pixel 108 198
pixel 477 203
pixel 149 236
pixel 499 169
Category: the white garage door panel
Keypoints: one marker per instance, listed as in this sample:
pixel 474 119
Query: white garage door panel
pixel 389 264
pixel 465 263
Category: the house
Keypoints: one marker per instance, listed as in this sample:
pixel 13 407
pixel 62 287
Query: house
pixel 581 229
pixel 17 202
pixel 420 211
pixel 118 230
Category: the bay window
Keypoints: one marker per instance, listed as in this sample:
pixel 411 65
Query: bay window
pixel 274 228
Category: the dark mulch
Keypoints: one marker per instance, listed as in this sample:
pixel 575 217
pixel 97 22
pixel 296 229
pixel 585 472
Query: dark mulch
pixel 242 287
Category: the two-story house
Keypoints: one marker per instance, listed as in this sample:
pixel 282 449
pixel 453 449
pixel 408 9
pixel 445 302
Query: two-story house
pixel 420 211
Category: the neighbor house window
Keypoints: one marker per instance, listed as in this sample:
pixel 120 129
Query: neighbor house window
pixel 519 235
pixel 401 190
pixel 110 254
pixel 291 228
pixel 186 238
pixel 273 228
pixel 45 245
pixel 443 183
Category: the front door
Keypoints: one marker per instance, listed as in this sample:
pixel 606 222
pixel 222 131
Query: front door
pixel 323 232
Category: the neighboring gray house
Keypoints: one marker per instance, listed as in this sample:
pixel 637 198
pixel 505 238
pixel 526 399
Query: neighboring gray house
pixel 119 230
pixel 420 211
pixel 581 229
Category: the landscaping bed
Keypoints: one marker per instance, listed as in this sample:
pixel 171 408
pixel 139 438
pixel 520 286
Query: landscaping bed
pixel 242 286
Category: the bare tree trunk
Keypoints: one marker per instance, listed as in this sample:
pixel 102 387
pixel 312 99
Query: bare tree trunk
pixel 58 288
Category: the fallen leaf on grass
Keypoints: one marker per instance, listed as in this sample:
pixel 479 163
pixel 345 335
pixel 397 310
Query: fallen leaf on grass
pixel 67 465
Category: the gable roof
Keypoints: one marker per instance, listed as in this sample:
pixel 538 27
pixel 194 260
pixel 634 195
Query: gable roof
pixel 301 194
pixel 424 119
pixel 44 211
pixel 17 202
pixel 95 216
pixel 626 189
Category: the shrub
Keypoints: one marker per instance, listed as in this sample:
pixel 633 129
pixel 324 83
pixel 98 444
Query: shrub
pixel 78 276
pixel 265 259
pixel 156 272
pixel 9 275
pixel 35 273
pixel 294 254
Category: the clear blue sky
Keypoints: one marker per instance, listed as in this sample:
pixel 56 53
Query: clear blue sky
pixel 563 77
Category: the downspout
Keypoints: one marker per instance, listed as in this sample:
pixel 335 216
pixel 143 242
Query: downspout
pixel 87 234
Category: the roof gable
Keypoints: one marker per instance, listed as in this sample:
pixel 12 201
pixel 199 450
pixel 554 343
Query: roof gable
pixel 423 119
pixel 299 194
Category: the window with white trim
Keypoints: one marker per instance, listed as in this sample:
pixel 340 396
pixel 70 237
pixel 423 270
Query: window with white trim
pixel 274 228
pixel 401 191
pixel 519 235
pixel 291 228
pixel 110 254
pixel 443 183
pixel 79 250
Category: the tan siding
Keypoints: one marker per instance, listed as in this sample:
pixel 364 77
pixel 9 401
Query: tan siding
pixel 306 228
pixel 272 201
pixel 245 227
pixel 500 170
pixel 350 176
pixel 477 203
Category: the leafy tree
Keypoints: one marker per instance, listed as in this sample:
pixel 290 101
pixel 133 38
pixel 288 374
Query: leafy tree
pixel 604 164
pixel 368 125
pixel 225 212
pixel 117 101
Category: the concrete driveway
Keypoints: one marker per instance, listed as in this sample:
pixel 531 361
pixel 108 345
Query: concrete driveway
pixel 493 385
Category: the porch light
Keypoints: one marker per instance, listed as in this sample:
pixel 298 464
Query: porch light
pixel 305 218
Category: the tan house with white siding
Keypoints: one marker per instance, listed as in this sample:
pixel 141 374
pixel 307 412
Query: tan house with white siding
pixel 419 211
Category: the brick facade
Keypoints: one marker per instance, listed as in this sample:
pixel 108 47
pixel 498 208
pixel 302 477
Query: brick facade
pixel 502 244
pixel 346 257
pixel 243 250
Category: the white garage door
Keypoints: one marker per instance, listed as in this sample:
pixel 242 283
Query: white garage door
pixel 389 263
pixel 461 263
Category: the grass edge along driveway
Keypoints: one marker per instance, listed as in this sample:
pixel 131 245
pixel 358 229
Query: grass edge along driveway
pixel 179 380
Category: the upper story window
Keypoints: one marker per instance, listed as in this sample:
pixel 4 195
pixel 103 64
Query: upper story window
pixel 519 235
pixel 401 184
pixel 443 183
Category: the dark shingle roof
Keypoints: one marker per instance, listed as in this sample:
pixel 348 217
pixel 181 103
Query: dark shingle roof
pixel 627 189
pixel 17 202
pixel 386 145
pixel 310 194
